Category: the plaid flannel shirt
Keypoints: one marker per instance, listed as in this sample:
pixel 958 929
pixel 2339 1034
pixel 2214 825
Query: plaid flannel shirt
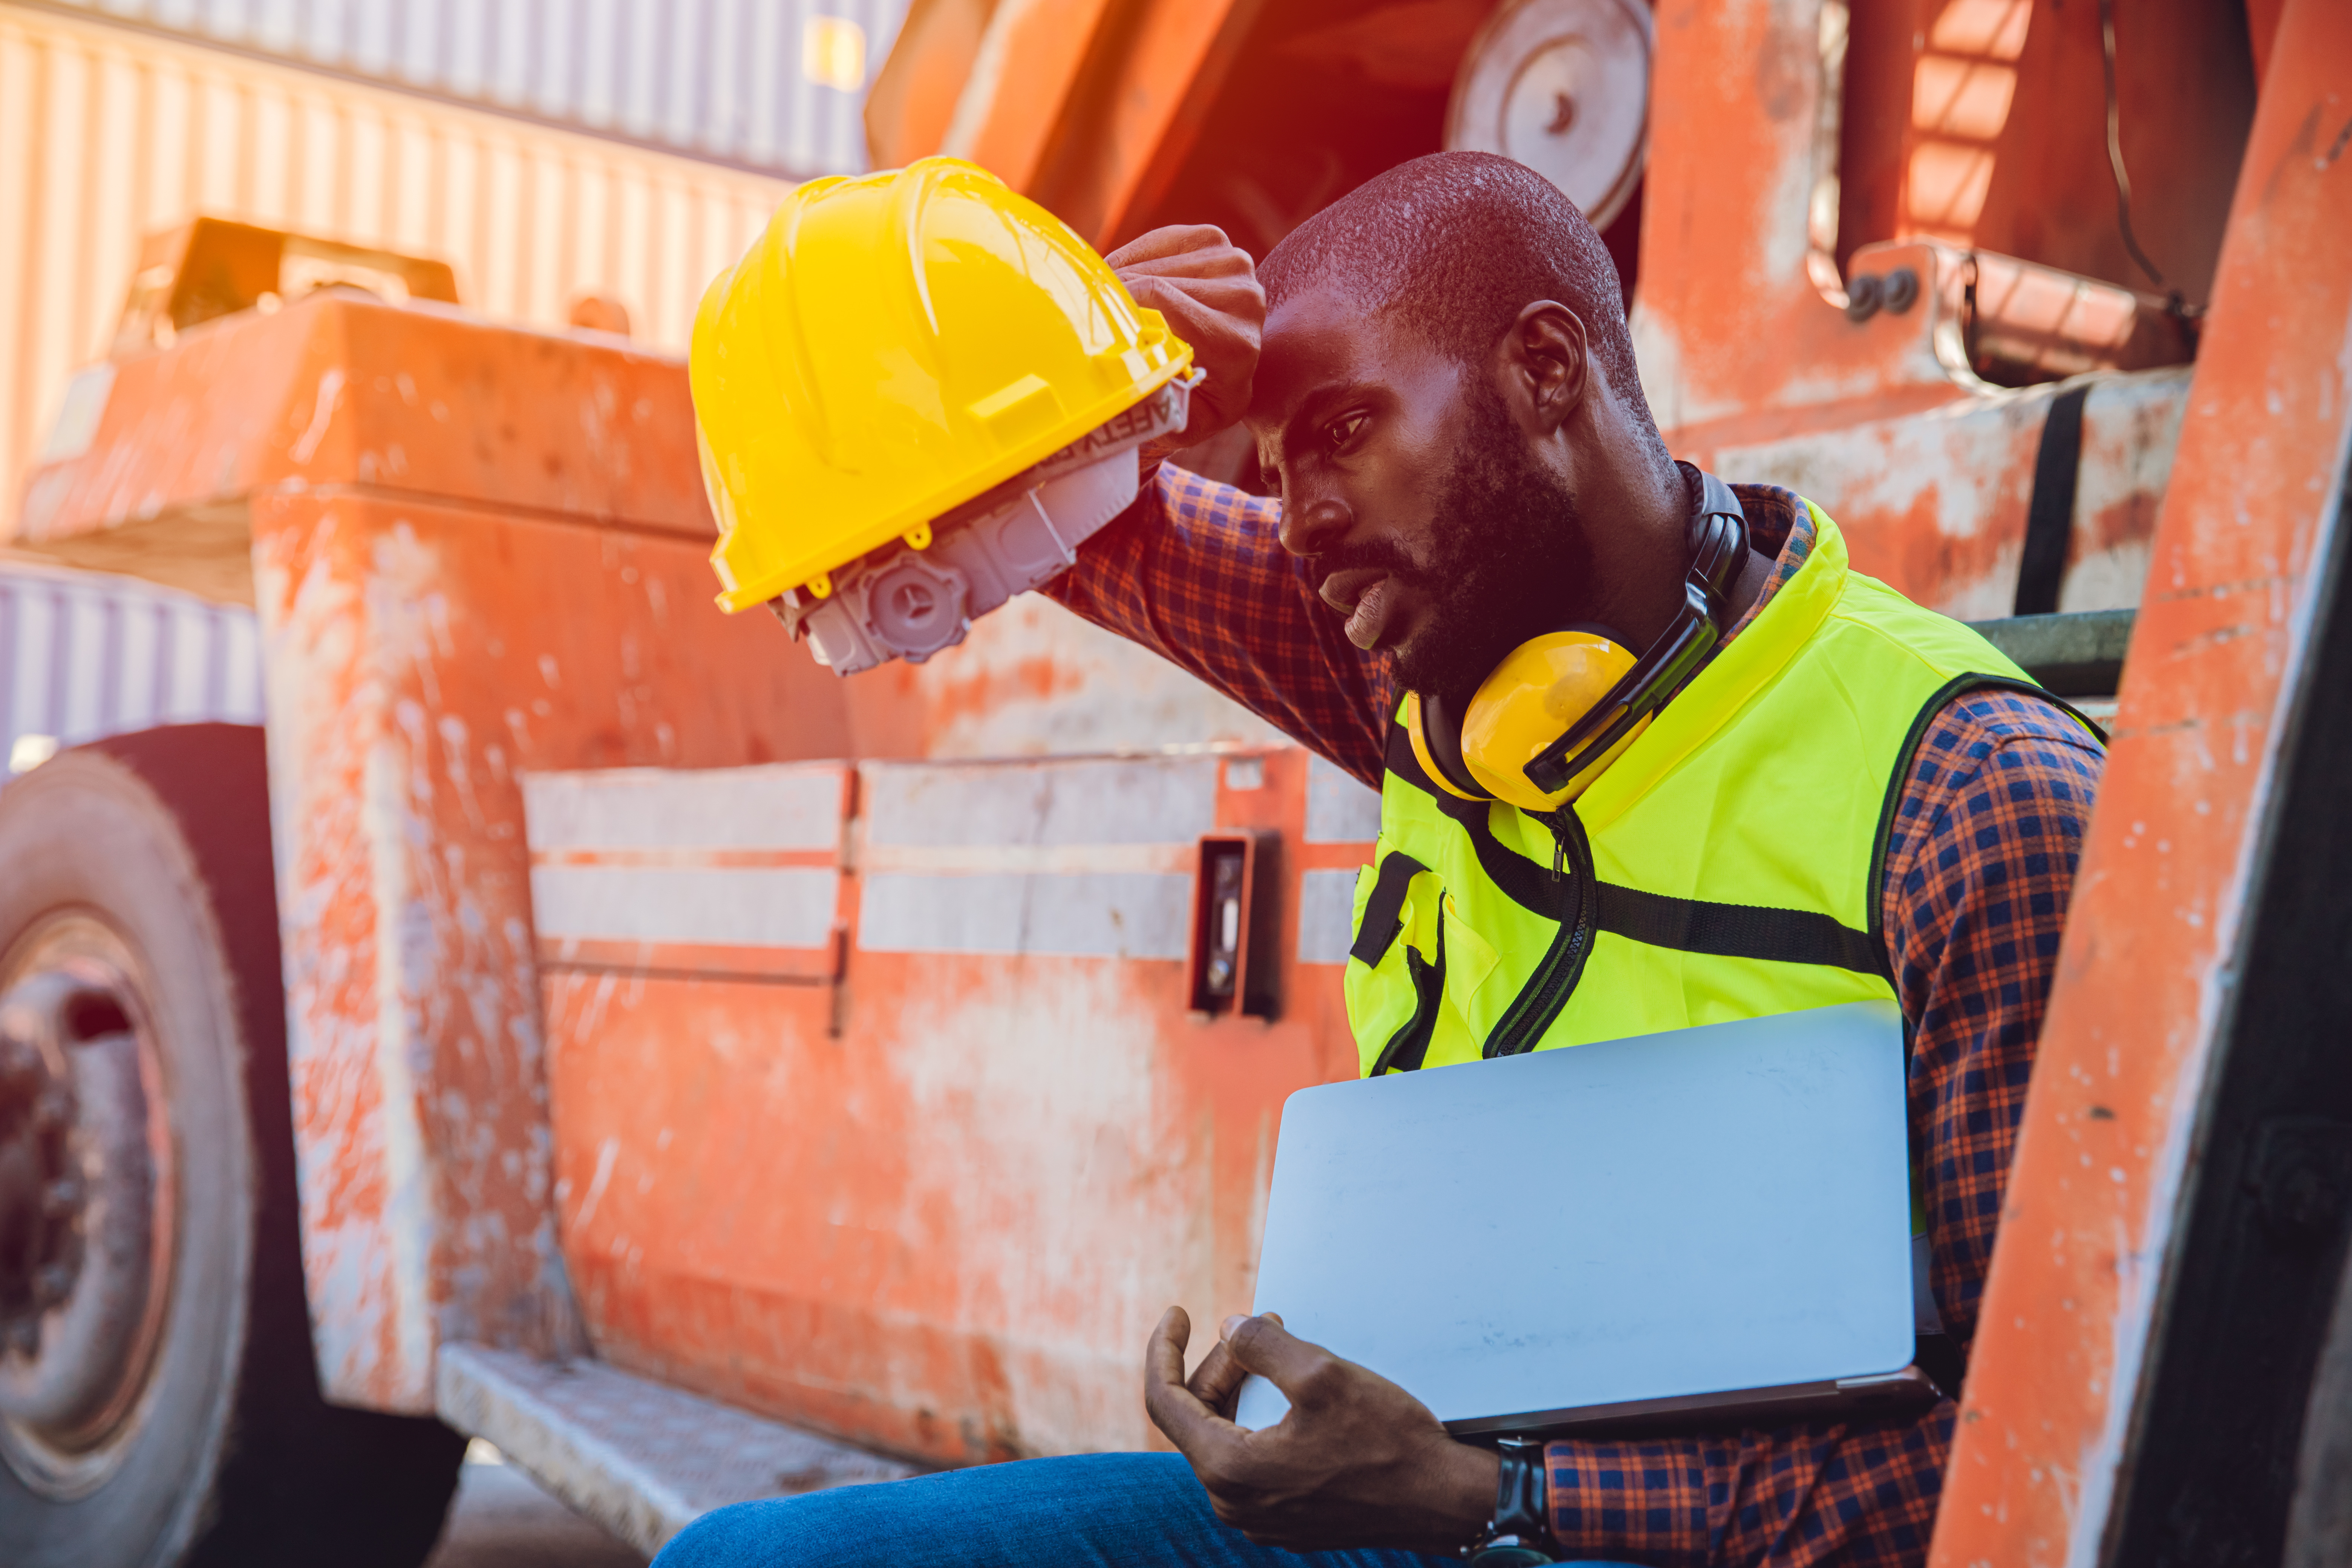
pixel 1987 832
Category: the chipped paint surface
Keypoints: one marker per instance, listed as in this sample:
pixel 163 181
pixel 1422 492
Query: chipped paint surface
pixel 1934 502
pixel 947 1229
pixel 420 657
pixel 2150 951
pixel 472 551
pixel 1034 679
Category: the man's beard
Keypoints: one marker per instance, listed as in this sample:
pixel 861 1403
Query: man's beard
pixel 1508 559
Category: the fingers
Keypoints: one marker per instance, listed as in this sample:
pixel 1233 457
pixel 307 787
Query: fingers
pixel 1164 1356
pixel 1183 243
pixel 1232 305
pixel 1174 1408
pixel 1302 1370
pixel 1205 1437
pixel 1217 1380
pixel 1219 1377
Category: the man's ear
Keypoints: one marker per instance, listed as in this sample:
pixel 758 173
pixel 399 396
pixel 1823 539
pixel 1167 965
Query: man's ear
pixel 1548 362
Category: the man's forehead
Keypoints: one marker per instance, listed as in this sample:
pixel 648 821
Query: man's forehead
pixel 1322 338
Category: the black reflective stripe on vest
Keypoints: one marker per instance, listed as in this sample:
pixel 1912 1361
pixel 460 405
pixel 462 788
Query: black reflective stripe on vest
pixel 1657 920
pixel 1384 910
pixel 1736 930
pixel 1523 881
pixel 1409 1047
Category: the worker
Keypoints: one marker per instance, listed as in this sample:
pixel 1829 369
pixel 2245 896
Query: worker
pixel 1806 790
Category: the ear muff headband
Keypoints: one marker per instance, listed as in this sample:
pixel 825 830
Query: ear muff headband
pixel 1426 754
pixel 1722 544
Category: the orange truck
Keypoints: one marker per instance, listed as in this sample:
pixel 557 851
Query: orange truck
pixel 575 1019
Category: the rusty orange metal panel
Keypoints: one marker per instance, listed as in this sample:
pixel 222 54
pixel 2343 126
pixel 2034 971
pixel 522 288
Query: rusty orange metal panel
pixel 1140 111
pixel 339 388
pixel 2145 974
pixel 473 551
pixel 947 1229
pixel 420 658
pixel 1937 504
pixel 1026 68
pixel 1729 319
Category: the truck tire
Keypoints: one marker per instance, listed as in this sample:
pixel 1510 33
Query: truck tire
pixel 159 1404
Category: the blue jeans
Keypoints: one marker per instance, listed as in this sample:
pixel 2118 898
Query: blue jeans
pixel 1100 1510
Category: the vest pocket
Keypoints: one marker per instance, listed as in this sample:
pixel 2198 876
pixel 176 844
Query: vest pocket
pixel 1410 995
pixel 1464 1015
pixel 1396 967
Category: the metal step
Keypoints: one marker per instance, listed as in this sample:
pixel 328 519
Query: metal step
pixel 641 1458
pixel 2076 655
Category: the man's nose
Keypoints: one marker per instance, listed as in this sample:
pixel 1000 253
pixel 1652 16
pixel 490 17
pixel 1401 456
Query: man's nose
pixel 1312 525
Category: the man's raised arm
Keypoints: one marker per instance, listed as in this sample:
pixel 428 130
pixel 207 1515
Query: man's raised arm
pixel 1195 571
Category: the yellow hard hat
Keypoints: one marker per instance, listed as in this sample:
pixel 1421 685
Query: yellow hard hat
pixel 890 347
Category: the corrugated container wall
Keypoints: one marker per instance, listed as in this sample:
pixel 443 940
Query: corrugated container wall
pixel 774 85
pixel 84 656
pixel 108 131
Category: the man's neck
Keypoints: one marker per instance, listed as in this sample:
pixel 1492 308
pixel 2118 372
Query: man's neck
pixel 1442 728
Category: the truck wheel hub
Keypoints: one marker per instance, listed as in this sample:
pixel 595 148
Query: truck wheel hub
pixel 41 1196
pixel 86 1170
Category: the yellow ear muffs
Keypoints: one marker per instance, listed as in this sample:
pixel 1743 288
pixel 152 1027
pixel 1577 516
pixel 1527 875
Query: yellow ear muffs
pixel 1414 718
pixel 1529 700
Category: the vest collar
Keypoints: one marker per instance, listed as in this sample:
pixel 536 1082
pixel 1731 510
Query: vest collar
pixel 1717 693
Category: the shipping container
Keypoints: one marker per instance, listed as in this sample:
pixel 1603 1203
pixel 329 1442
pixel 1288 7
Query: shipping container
pixel 108 132
pixel 772 85
pixel 84 656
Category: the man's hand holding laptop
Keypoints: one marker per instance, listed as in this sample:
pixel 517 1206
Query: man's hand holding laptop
pixel 1356 1462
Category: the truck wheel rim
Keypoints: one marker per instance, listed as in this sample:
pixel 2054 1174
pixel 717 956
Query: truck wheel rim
pixel 88 1202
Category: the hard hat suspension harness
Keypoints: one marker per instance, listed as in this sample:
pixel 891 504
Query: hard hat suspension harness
pixel 901 602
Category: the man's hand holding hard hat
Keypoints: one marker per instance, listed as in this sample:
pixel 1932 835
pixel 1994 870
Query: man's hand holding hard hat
pixel 1207 289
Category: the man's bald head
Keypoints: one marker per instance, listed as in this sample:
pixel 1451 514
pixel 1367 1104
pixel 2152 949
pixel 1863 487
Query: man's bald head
pixel 1454 246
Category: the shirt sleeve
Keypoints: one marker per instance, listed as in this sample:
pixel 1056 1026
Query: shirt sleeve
pixel 1196 572
pixel 1980 863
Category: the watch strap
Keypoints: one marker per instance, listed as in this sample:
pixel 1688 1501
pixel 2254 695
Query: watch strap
pixel 1520 1532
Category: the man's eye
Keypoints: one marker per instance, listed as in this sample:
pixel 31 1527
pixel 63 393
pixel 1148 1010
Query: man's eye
pixel 1342 430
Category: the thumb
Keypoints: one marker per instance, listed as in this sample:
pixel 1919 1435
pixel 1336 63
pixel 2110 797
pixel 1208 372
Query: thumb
pixel 1262 1345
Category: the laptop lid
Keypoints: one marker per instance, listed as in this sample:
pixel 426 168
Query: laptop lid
pixel 1668 1222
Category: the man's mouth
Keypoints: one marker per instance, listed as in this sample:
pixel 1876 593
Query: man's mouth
pixel 1365 595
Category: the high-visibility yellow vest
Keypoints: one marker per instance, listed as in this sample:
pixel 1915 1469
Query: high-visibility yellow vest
pixel 1726 865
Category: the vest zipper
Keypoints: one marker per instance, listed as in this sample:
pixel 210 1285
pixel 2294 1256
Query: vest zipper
pixel 1540 1001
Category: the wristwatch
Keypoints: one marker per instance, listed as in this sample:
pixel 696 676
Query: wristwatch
pixel 1520 1532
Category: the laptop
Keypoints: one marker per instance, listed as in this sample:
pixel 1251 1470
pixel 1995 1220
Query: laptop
pixel 1709 1225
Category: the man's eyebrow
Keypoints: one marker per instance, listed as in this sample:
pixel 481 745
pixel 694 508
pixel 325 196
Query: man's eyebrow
pixel 1321 403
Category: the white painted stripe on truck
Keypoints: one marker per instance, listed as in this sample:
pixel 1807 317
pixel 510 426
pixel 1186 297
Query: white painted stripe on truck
pixel 1086 915
pixel 1340 808
pixel 777 807
pixel 754 907
pixel 1326 907
pixel 1031 859
pixel 1085 800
